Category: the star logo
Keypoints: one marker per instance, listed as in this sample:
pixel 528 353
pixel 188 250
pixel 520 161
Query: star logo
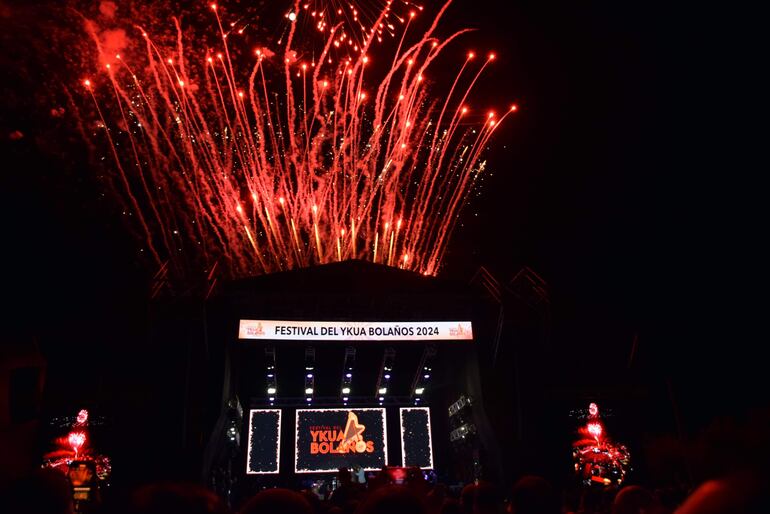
pixel 353 432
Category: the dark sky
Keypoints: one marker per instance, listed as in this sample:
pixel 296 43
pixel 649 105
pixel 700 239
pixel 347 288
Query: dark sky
pixel 617 182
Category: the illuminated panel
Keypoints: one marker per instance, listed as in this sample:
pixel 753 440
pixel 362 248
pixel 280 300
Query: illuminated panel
pixel 355 330
pixel 328 439
pixel 263 454
pixel 416 441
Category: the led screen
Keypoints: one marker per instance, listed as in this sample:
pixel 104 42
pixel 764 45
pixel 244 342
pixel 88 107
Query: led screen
pixel 264 448
pixel 416 442
pixel 328 439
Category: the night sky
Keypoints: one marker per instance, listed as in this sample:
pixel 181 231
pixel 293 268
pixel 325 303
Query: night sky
pixel 618 182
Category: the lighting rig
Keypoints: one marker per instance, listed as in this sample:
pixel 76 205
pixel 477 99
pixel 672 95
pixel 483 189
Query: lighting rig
pixel 461 419
pixel 423 374
pixel 383 381
pixel 309 374
pixel 347 374
pixel 272 374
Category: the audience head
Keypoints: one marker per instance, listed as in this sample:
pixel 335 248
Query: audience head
pixel 632 499
pixel 177 497
pixel 734 494
pixel 313 500
pixel 487 499
pixel 435 498
pixel 46 490
pixel 534 495
pixel 392 499
pixel 467 498
pixel 450 506
pixel 277 501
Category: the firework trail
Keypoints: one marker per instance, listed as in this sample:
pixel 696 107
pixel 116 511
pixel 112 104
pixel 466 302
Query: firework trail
pixel 291 161
pixel 357 20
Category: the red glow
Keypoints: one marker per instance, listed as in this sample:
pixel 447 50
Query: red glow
pixel 76 440
pixel 337 148
pixel 82 417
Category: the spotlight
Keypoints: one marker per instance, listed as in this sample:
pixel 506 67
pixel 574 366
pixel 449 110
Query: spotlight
pixel 383 390
pixel 309 390
pixel 271 390
pixel 419 390
pixel 345 390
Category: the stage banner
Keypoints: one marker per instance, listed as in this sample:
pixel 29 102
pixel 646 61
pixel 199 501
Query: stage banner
pixel 355 330
pixel 416 441
pixel 329 439
pixel 263 454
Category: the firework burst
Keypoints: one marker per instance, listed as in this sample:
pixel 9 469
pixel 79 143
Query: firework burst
pixel 291 160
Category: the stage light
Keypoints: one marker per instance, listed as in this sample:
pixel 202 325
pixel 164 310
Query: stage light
pixel 388 357
pixel 309 375
pixel 345 390
pixel 345 399
pixel 381 398
pixel 271 390
pixel 348 375
pixel 420 380
pixel 309 390
pixel 272 398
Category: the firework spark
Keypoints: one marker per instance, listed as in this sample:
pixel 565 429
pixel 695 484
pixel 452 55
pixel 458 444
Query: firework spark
pixel 291 161
pixel 357 21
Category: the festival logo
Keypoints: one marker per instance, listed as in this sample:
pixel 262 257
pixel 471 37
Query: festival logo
pixel 460 331
pixel 336 440
pixel 255 331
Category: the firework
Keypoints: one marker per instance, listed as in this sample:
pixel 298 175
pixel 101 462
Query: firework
pixel 76 446
pixel 295 159
pixel 357 21
pixel 598 460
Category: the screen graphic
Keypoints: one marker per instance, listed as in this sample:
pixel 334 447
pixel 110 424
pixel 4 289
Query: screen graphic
pixel 264 448
pixel 416 442
pixel 355 330
pixel 328 439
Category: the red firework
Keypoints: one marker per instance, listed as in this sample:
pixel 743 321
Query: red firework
pixel 295 161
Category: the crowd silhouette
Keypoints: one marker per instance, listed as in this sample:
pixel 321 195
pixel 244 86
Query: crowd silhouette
pixel 48 491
